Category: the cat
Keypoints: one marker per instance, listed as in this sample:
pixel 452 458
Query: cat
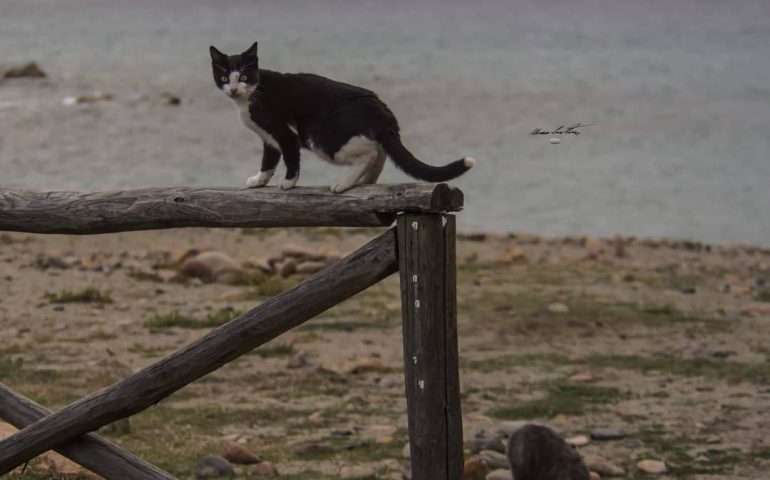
pixel 342 124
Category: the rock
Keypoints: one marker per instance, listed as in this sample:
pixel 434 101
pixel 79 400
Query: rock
pixel 594 476
pixel 515 254
pixel 287 267
pixel 208 266
pixel 297 251
pixel 558 308
pixel 475 469
pixel 237 454
pixel 386 382
pixel 578 440
pixel 316 417
pixel 358 473
pixel 298 360
pixel 603 467
pixel 384 440
pixel 499 474
pixel 494 460
pixel 576 358
pixel 508 428
pixel 312 448
pixel 533 446
pixel 481 442
pixel 593 245
pixel 265 469
pixel 310 267
pixel 582 377
pixel 28 70
pixel 653 467
pixel 607 434
pixel 214 467
pixel 406 452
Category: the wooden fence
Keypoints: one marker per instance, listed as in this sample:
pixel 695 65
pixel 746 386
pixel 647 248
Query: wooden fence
pixel 421 247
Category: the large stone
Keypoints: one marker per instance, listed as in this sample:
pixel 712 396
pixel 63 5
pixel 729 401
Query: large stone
pixel 237 454
pixel 265 469
pixel 481 442
pixel 358 473
pixel 604 467
pixel 499 474
pixel 214 467
pixel 607 434
pixel 653 467
pixel 208 266
pixel 475 469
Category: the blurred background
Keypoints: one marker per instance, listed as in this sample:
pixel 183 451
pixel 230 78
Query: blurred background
pixel 678 92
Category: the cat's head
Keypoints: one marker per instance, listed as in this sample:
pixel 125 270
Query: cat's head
pixel 236 75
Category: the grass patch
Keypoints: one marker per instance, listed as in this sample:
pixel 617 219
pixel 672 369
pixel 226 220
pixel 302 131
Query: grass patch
pixel 273 351
pixel 762 296
pixel 345 325
pixel 87 295
pixel 694 367
pixel 177 319
pixel 270 287
pixel 12 369
pixel 143 276
pixel 506 362
pixel 561 397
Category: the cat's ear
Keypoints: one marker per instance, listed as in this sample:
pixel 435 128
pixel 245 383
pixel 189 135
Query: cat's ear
pixel 251 52
pixel 217 56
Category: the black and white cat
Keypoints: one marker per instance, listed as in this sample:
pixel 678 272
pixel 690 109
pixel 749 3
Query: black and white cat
pixel 342 124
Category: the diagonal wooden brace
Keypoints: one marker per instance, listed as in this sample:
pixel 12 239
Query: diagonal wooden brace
pixel 90 451
pixel 354 273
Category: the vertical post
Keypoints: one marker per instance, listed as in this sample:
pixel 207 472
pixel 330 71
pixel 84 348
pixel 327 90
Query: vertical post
pixel 426 252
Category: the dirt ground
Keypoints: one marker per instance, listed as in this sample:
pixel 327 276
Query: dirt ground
pixel 665 341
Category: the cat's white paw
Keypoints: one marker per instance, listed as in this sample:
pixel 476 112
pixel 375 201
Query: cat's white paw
pixel 340 187
pixel 259 180
pixel 289 183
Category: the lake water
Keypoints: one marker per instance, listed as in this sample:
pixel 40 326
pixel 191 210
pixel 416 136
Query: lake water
pixel 678 94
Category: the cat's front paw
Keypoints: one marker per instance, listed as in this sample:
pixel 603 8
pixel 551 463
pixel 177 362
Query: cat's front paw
pixel 259 180
pixel 289 183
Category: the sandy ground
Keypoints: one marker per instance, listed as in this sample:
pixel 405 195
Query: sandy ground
pixel 664 341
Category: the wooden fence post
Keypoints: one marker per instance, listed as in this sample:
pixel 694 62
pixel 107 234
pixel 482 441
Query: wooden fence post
pixel 426 250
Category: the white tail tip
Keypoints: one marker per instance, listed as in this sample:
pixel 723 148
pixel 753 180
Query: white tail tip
pixel 469 162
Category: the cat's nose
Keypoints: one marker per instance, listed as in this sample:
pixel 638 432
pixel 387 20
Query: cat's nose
pixel 233 90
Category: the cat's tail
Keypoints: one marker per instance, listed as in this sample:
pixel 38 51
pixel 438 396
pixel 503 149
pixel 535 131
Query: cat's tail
pixel 407 162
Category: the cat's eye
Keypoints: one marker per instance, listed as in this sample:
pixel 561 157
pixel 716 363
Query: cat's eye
pixel 223 79
pixel 243 78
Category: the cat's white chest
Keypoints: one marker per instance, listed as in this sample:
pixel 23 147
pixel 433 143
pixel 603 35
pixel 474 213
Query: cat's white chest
pixel 245 116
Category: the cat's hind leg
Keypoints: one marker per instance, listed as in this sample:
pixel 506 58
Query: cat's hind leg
pixel 270 158
pixel 372 173
pixel 362 154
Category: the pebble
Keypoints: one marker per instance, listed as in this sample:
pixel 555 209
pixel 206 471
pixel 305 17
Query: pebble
pixel 265 469
pixel 508 428
pixel 578 440
pixel 213 467
pixel 558 308
pixel 494 460
pixel 594 476
pixel 386 382
pixel 554 141
pixel 475 469
pixel 607 434
pixel 582 377
pixel 406 452
pixel 358 473
pixel 310 267
pixel 237 454
pixel 604 468
pixel 316 417
pixel 479 443
pixel 500 474
pixel 653 467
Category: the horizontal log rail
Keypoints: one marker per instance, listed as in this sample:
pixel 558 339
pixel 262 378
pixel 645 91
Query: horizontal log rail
pixel 354 273
pixel 91 451
pixel 83 213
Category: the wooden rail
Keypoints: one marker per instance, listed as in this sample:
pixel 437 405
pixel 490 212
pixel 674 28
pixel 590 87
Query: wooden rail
pixel 156 208
pixel 421 246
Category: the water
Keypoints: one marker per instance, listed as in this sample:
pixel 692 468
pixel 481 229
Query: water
pixel 679 95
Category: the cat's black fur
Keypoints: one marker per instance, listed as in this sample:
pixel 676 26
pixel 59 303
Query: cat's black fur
pixel 314 112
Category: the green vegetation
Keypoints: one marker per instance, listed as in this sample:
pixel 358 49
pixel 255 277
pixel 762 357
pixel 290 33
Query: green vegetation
pixel 177 319
pixel 561 397
pixel 693 367
pixel 345 325
pixel 277 350
pixel 87 295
